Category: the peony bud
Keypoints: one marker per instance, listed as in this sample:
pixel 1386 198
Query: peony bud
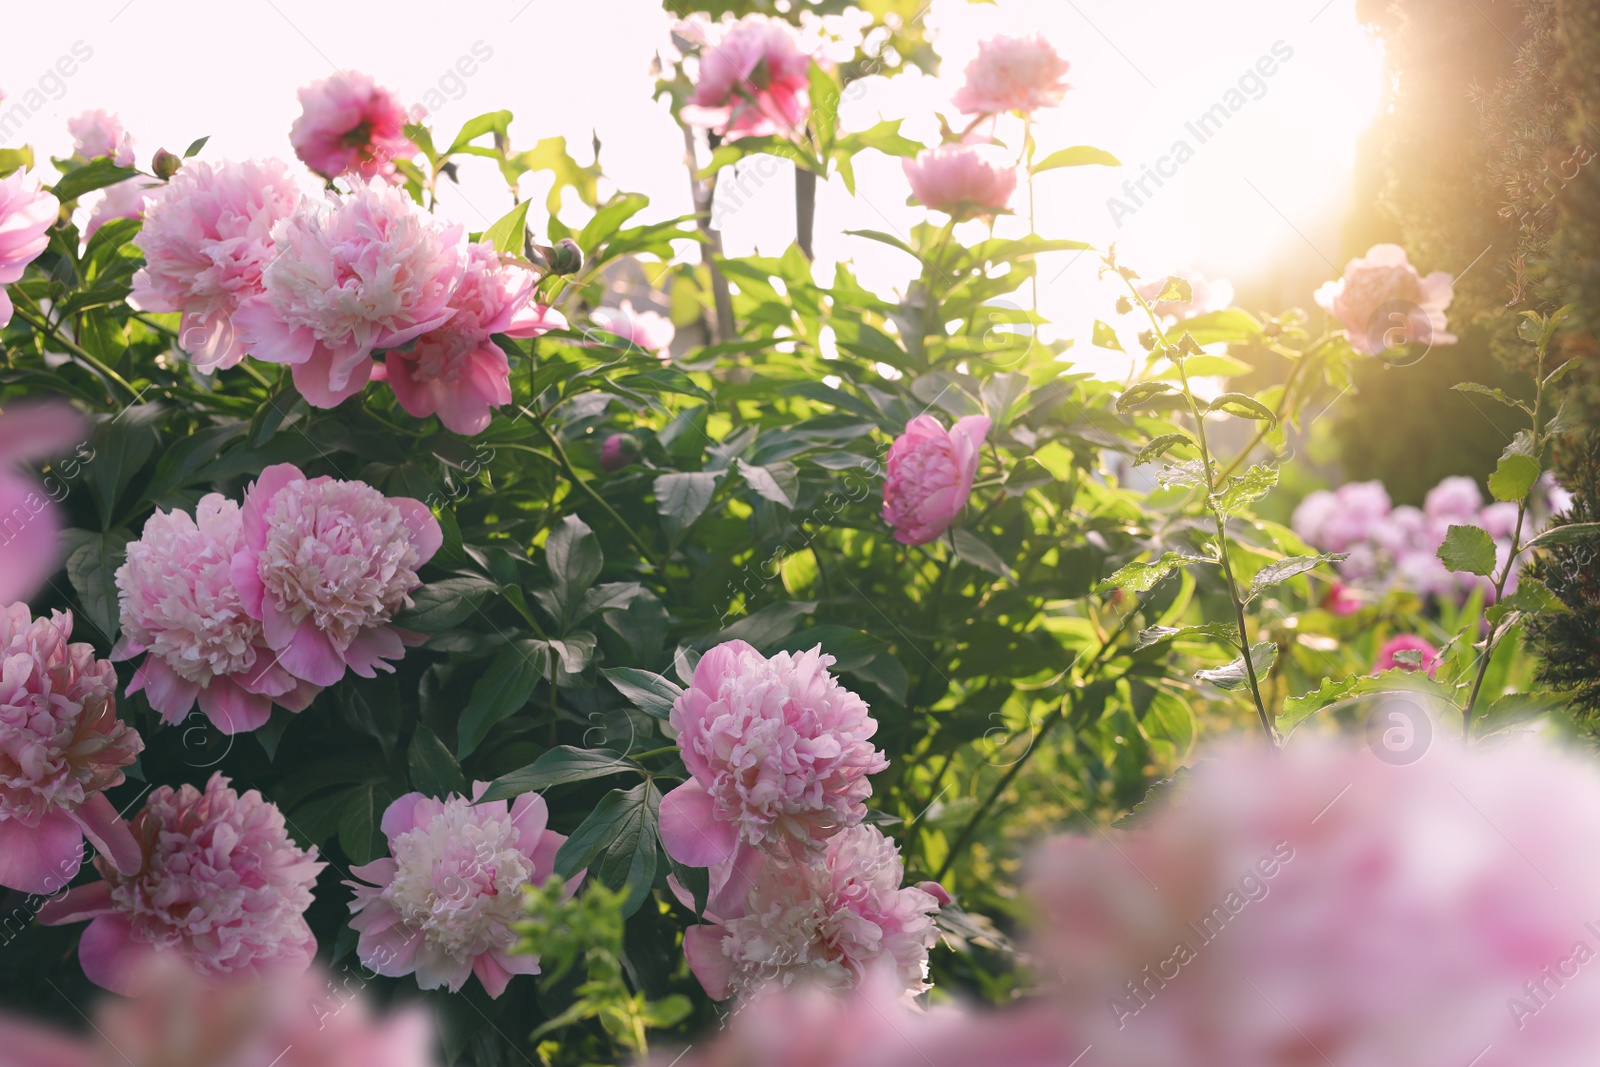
pixel 165 165
pixel 619 451
pixel 566 257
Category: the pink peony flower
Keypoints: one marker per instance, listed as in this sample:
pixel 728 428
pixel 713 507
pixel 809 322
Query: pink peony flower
pixel 188 1020
pixel 1406 643
pixel 352 276
pixel 1500 520
pixel 835 922
pixel 929 476
pixel 206 240
pixel 1456 499
pixel 1383 303
pixel 779 757
pixel 100 133
pixel 456 371
pixel 26 214
pixel 1341 599
pixel 619 451
pixel 1206 296
pixel 754 81
pixel 351 125
pixel 1013 74
pixel 223 888
pixel 1335 521
pixel 30 522
pixel 180 605
pixel 325 565
pixel 961 180
pixel 1333 904
pixel 124 200
pixel 442 904
pixel 648 330
pixel 61 747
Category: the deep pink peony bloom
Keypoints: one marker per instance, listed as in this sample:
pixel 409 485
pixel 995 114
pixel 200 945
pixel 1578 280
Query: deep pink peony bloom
pixel 26 214
pixel 456 371
pixel 351 125
pixel 1383 302
pixel 324 566
pixel 206 240
pixel 223 888
pixel 125 200
pixel 1341 599
pixel 442 904
pixel 189 1020
pixel 30 522
pixel 1206 295
pixel 754 80
pixel 1406 643
pixel 779 755
pixel 1013 74
pixel 100 133
pixel 648 330
pixel 179 605
pixel 837 921
pixel 929 476
pixel 352 276
pixel 962 180
pixel 61 747
pixel 1325 905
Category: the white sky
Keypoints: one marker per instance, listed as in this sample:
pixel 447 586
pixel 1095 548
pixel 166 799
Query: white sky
pixel 1268 190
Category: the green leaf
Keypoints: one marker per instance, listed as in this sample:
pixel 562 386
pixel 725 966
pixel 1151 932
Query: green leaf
pixel 777 482
pixel 1142 394
pixel 1175 288
pixel 1297 710
pixel 1077 156
pixel 650 693
pixel 1160 446
pixel 1229 325
pixel 1469 549
pixel 359 822
pixel 509 233
pixel 195 146
pixel 1244 489
pixel 972 549
pixel 1565 535
pixel 96 174
pixel 1284 569
pixel 682 498
pixel 92 562
pixel 1232 676
pixel 504 689
pixel 1495 394
pixel 1141 577
pixel 1225 632
pixel 445 604
pixel 434 771
pixel 559 766
pixel 885 239
pixel 1517 470
pixel 1244 407
pixel 1532 597
pixel 825 95
pixel 620 833
pixel 695 880
pixel 1106 337
pixel 573 554
pixel 1169 718
pixel 493 122
pixel 122 445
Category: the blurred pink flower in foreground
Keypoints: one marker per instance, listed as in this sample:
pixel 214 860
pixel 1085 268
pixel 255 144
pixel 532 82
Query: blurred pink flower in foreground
pixel 100 133
pixel 206 239
pixel 352 125
pixel 962 180
pixel 125 200
pixel 180 605
pixel 929 476
pixel 1323 905
pixel 754 79
pixel 442 904
pixel 1206 295
pixel 456 371
pixel 61 747
pixel 649 330
pixel 324 565
pixel 779 755
pixel 351 276
pixel 836 922
pixel 1383 303
pixel 223 889
pixel 1013 74
pixel 30 522
pixel 186 1020
pixel 1388 660
pixel 26 214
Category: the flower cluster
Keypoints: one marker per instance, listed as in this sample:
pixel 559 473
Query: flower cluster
pixel 350 126
pixel 929 474
pixel 221 887
pixel 754 79
pixel 442 904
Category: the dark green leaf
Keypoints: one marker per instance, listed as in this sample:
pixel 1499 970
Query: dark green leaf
pixel 504 688
pixel 683 498
pixel 557 767
pixel 445 604
pixel 434 771
pixel 92 562
pixel 650 693
pixel 96 174
pixel 974 550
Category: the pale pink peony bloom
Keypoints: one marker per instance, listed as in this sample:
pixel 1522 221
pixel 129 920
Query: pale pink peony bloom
pixel 779 757
pixel 1457 499
pixel 1383 303
pixel 648 330
pixel 324 566
pixel 457 371
pixel 352 276
pixel 1013 74
pixel 223 889
pixel 754 80
pixel 206 240
pixel 443 903
pixel 61 747
pixel 1387 659
pixel 100 133
pixel 1325 905
pixel 26 214
pixel 351 125
pixel 961 180
pixel 124 200
pixel 30 522
pixel 1500 520
pixel 180 606
pixel 1206 295
pixel 929 475
pixel 837 921
pixel 1334 521
pixel 184 1019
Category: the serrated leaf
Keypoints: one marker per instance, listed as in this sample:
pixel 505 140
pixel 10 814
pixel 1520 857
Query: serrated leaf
pixel 1469 549
pixel 1216 631
pixel 1494 394
pixel 1175 289
pixel 1284 569
pixel 1233 676
pixel 1141 395
pixel 1160 446
pixel 1532 597
pixel 1140 577
pixel 1242 406
pixel 1517 470
pixel 1244 489
pixel 559 766
pixel 1189 472
pixel 1298 709
pixel 504 688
